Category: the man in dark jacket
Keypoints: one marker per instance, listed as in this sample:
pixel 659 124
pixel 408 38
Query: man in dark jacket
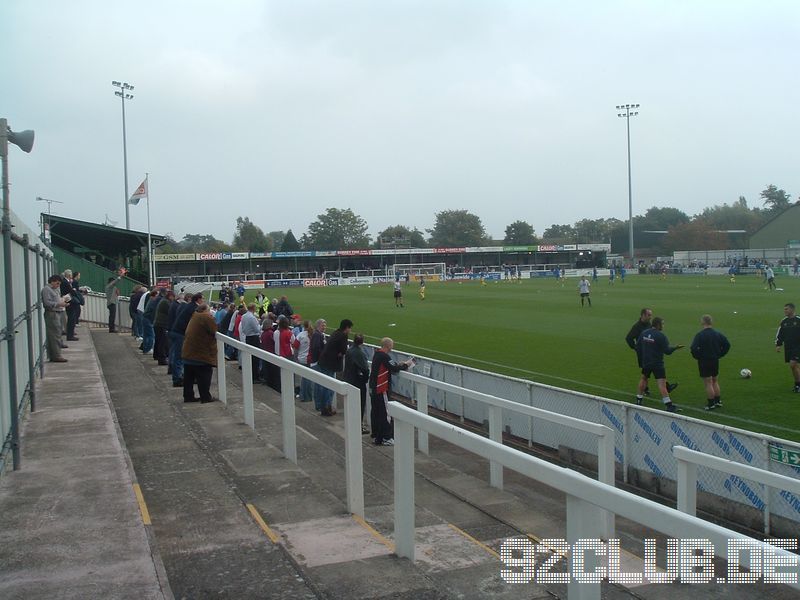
pixel 177 331
pixel 633 337
pixel 708 346
pixel 356 372
pixel 380 386
pixel 316 345
pixel 136 321
pixel 148 319
pixel 161 349
pixel 284 308
pixel 653 346
pixel 789 337
pixel 331 361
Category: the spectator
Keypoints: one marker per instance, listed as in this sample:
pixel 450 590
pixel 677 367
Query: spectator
pixel 66 294
pixel 74 306
pixel 53 305
pixel 356 372
pixel 302 343
pixel 148 320
pixel 331 361
pixel 136 322
pixel 314 350
pixel 178 332
pixel 174 345
pixel 199 354
pixel 112 300
pixel 284 308
pixel 380 386
pixel 161 348
pixel 249 330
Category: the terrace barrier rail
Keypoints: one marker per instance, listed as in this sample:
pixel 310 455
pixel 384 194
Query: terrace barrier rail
pixel 354 471
pixel 644 438
pixel 495 407
pixel 585 501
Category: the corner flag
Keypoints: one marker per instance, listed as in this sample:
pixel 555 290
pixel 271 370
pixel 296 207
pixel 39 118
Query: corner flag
pixel 140 193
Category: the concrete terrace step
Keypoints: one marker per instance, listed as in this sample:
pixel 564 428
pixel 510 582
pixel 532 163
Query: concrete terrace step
pixel 70 525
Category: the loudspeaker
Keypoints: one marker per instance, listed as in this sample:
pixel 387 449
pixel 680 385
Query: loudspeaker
pixel 23 139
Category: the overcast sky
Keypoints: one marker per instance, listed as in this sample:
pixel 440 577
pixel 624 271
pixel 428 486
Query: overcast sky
pixel 398 110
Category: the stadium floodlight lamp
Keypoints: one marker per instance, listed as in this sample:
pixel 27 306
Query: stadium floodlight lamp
pixel 122 94
pixel 627 116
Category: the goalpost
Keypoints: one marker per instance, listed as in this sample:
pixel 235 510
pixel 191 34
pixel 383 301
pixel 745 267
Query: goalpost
pixel 431 271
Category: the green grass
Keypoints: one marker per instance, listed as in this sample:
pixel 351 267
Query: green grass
pixel 537 330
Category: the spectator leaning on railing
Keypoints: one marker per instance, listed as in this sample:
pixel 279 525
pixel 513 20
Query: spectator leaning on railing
pixel 331 361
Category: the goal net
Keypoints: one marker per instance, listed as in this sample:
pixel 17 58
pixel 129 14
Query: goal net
pixel 430 271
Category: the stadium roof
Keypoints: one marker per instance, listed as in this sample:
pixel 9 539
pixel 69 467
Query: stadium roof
pixel 83 237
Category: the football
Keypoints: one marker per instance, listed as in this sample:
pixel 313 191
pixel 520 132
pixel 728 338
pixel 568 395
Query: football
pixel 746 373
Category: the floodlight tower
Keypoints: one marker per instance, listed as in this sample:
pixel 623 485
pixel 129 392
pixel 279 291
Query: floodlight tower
pixel 124 94
pixel 630 110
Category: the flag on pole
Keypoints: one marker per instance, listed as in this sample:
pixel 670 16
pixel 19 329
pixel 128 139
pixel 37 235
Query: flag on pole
pixel 140 193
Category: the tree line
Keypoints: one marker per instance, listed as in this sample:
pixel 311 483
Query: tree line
pixel 658 229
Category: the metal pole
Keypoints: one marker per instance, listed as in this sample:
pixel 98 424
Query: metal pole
pixel 29 318
pixel 9 290
pixel 40 256
pixel 125 161
pixel 630 193
pixel 149 239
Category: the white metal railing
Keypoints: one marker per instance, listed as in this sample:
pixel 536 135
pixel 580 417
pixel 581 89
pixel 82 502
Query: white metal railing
pixel 354 473
pixel 585 501
pixel 689 460
pixel 628 419
pixel 496 406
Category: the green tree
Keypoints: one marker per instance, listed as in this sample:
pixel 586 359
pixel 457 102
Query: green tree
pixel 275 238
pixel 336 229
pixel 457 228
pixel 249 236
pixel 660 219
pixel 560 233
pixel 520 233
pixel 775 200
pixel 401 236
pixel 192 242
pixel 290 243
pixel 695 235
pixel 734 216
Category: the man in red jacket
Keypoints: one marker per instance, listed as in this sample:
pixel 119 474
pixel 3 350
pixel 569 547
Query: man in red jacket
pixel 380 386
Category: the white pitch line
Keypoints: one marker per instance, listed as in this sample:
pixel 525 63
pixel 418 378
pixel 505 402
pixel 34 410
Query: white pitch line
pixel 589 385
pixel 308 433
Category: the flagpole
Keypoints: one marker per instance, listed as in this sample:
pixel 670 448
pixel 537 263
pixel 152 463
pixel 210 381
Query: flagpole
pixel 149 240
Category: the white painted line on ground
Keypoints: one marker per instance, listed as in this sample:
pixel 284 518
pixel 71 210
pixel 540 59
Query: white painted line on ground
pixel 308 433
pixel 269 408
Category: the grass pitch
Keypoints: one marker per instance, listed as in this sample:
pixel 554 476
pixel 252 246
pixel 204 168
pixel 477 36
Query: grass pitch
pixel 537 330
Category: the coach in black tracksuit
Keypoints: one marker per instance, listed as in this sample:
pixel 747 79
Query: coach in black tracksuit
pixel 708 346
pixel 653 345
pixel 789 337
pixel 632 340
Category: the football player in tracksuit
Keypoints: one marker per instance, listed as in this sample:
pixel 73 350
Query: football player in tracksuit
pixel 789 337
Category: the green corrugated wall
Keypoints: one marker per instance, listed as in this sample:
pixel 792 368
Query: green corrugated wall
pixel 92 275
